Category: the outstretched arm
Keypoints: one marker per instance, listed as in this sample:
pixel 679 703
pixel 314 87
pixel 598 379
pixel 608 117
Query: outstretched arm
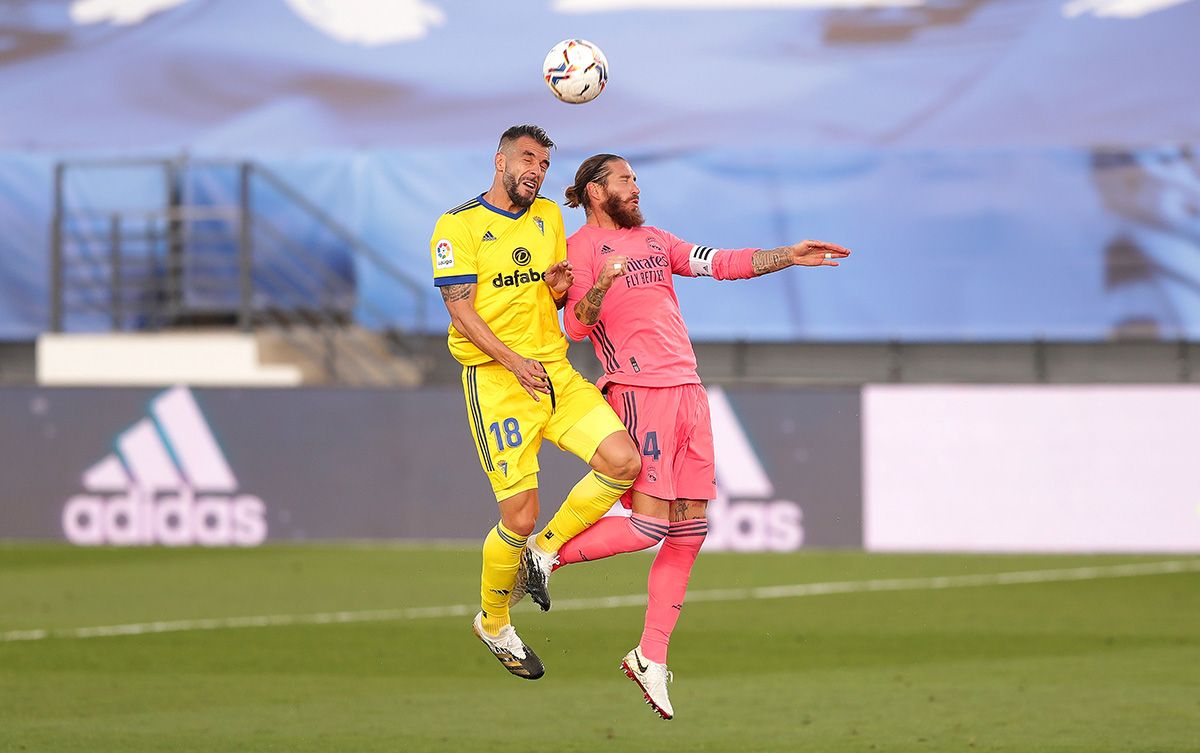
pixel 729 264
pixel 739 264
pixel 804 253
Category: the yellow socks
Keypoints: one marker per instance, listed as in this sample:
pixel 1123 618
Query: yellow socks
pixel 501 558
pixel 588 501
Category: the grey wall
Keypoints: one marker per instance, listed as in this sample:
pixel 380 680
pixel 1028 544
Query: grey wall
pixel 335 463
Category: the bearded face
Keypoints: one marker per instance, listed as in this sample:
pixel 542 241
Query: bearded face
pixel 624 210
pixel 524 168
pixel 521 192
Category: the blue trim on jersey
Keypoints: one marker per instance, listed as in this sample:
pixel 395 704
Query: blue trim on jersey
pixel 499 211
pixel 455 280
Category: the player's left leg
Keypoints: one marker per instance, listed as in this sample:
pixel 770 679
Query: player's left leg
pixel 583 424
pixel 670 573
pixel 672 567
pixel 614 467
pixel 587 503
pixel 667 586
pixel 650 416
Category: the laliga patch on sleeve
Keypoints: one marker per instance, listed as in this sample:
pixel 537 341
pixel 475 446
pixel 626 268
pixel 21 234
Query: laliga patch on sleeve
pixel 444 254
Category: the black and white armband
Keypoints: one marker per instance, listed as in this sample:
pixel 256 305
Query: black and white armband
pixel 700 260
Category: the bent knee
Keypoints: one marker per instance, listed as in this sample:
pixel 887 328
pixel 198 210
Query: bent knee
pixel 521 524
pixel 623 461
pixel 519 514
pixel 629 468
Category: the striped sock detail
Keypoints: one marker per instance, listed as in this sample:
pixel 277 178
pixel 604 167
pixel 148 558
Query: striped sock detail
pixel 688 528
pixel 510 538
pixel 612 483
pixel 648 529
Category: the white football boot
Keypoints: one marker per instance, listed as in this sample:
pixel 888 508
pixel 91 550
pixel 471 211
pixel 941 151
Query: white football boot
pixel 510 650
pixel 518 590
pixel 533 577
pixel 652 678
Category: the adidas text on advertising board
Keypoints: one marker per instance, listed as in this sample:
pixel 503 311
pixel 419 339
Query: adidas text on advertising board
pixel 745 517
pixel 167 482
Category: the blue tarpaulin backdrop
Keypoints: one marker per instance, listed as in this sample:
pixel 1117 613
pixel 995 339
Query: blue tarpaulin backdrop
pixel 1003 170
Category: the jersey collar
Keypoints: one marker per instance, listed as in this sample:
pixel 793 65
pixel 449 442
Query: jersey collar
pixel 501 212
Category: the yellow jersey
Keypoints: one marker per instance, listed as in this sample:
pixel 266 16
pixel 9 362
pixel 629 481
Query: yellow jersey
pixel 504 254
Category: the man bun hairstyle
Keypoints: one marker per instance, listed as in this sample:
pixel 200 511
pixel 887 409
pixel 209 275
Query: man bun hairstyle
pixel 537 133
pixel 595 169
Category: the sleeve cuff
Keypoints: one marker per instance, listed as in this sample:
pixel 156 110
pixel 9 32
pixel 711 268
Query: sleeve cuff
pixel 456 280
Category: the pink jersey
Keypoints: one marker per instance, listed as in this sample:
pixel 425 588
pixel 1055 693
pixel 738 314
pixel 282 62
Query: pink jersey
pixel 641 338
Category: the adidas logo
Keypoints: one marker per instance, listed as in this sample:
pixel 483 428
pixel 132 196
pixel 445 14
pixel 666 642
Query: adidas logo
pixel 488 236
pixel 168 483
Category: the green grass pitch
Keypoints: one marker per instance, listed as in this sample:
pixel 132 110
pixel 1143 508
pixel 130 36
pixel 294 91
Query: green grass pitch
pixel 1106 664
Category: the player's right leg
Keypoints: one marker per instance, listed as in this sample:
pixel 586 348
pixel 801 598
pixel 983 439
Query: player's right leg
pixel 507 428
pixel 501 557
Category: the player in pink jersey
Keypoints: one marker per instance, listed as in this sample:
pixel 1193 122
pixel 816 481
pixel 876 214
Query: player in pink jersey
pixel 623 298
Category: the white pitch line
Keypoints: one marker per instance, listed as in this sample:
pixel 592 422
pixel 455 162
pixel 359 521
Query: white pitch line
pixel 932 583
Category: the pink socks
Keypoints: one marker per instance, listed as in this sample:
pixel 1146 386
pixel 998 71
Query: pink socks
pixel 668 575
pixel 668 584
pixel 613 535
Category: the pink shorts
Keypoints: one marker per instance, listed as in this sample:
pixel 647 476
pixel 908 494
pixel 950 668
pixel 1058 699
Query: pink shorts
pixel 673 432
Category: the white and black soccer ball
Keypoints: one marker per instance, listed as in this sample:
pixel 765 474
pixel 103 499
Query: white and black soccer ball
pixel 576 71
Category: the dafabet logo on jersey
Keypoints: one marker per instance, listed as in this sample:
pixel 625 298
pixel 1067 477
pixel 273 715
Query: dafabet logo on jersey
pixel 166 482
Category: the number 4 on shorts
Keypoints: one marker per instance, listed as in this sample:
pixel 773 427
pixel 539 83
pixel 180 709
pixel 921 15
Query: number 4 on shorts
pixel 650 445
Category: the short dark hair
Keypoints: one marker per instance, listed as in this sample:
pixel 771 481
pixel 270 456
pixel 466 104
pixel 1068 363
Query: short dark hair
pixel 595 169
pixel 537 133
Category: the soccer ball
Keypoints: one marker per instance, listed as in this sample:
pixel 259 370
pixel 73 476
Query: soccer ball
pixel 576 71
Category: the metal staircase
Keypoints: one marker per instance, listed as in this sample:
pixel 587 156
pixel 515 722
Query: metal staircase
pixel 146 245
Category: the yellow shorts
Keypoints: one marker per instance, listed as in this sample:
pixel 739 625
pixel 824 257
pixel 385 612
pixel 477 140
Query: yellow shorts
pixel 508 424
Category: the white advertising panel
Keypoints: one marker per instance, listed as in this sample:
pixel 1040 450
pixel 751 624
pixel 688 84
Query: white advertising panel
pixel 1032 468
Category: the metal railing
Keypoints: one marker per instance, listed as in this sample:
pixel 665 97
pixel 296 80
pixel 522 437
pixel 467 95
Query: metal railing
pixel 227 244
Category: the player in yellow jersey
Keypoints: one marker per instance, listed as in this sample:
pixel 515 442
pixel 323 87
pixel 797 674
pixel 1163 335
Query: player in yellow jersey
pixel 500 262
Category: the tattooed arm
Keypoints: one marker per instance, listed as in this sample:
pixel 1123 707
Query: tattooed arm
pixel 740 264
pixel 764 261
pixel 587 309
pixel 804 253
pixel 460 302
